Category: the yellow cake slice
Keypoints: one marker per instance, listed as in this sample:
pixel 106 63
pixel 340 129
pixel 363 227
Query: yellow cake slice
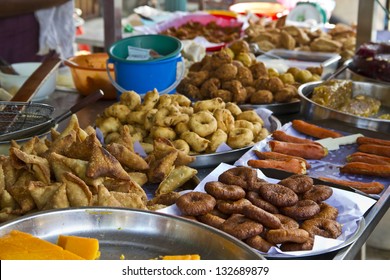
pixel 17 245
pixel 85 247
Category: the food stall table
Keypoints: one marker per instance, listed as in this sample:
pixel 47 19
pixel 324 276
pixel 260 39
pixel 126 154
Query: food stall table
pixel 62 100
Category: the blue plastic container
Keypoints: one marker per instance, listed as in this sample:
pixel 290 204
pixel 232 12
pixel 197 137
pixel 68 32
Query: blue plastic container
pixel 142 76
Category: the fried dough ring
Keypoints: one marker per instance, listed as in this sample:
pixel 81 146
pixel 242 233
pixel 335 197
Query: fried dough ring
pixel 259 243
pixel 203 123
pixel 242 176
pixel 197 143
pixel 323 227
pixel 225 119
pixel 211 220
pixel 232 207
pixel 279 236
pixel 256 199
pixel 265 218
pixel 287 222
pixel 292 246
pixel 223 191
pixel 209 105
pixel 298 183
pixel 318 193
pixel 327 211
pixel 302 210
pixel 240 137
pixel 195 203
pixel 241 227
pixel 278 195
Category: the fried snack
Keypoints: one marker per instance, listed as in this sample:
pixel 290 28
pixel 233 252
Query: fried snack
pixel 102 163
pixel 127 157
pixel 161 167
pixel 240 137
pixel 279 156
pixel 280 135
pixel 306 151
pixel 197 143
pixel 314 130
pixel 216 139
pixel 42 193
pixel 292 165
pixel 58 200
pixel 366 169
pixel 367 158
pixel 77 191
pixel 163 146
pixel 175 179
pixel 369 187
pixel 203 123
pixel 38 166
pixel 369 140
pixel 380 150
pixel 164 199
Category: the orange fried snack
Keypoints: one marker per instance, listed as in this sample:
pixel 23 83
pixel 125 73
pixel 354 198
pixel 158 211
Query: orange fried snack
pixel 292 165
pixel 369 187
pixel 314 130
pixel 306 151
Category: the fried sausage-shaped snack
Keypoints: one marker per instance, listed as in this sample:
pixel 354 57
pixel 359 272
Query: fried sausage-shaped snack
pixel 314 130
pixel 369 187
pixel 280 135
pixel 379 150
pixel 306 151
pixel 279 156
pixel 292 165
pixel 369 140
pixel 368 158
pixel 366 169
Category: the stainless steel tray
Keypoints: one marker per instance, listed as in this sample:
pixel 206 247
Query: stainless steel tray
pixel 210 160
pixel 276 108
pixel 313 111
pixel 135 234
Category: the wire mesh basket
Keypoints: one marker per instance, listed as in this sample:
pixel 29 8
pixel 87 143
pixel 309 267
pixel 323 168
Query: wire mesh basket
pixel 15 116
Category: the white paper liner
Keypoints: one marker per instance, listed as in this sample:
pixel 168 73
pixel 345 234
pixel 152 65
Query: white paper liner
pixel 351 207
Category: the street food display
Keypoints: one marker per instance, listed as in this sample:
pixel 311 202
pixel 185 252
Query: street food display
pixel 147 155
pixel 193 128
pixel 234 75
pixel 277 34
pixel 298 148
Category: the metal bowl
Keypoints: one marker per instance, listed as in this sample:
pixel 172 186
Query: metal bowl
pixel 313 111
pixel 135 234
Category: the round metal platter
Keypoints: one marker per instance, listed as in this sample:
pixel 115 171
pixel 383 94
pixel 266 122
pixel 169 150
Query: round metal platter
pixel 210 160
pixel 134 234
pixel 276 108
pixel 314 111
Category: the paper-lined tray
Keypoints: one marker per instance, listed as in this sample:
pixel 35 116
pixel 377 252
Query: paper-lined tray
pixel 351 207
pixel 326 167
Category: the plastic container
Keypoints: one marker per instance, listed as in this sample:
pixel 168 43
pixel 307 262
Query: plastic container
pixel 301 59
pixel 142 76
pixel 12 83
pixel 90 74
pixel 261 9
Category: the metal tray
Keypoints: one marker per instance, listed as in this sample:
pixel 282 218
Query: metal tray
pixel 210 160
pixel 276 108
pixel 135 234
pixel 313 111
